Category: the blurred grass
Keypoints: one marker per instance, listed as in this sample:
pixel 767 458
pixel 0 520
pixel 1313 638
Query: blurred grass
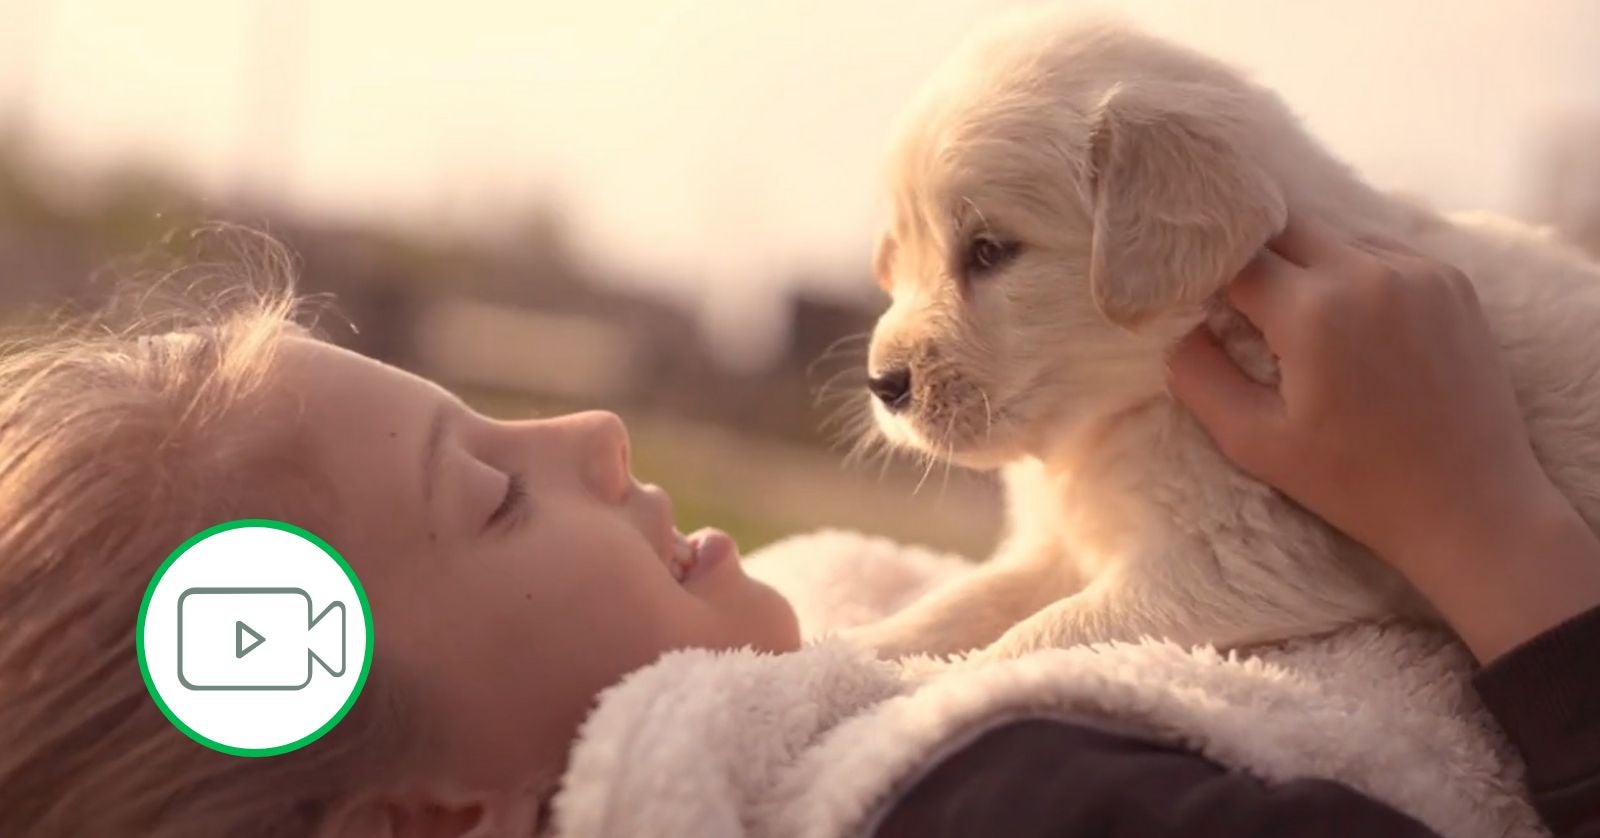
pixel 695 504
pixel 697 510
pixel 758 490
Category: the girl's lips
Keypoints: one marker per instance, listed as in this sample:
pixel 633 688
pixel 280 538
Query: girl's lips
pixel 713 548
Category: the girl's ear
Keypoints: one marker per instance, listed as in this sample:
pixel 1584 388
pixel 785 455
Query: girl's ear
pixel 1179 205
pixel 427 813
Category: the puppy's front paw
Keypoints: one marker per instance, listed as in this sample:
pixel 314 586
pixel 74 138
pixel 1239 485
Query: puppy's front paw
pixel 1078 620
pixel 1010 645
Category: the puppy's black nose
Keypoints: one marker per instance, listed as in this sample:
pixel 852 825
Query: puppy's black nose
pixel 893 388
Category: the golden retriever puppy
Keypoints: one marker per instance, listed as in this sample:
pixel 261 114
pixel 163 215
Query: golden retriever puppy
pixel 1068 198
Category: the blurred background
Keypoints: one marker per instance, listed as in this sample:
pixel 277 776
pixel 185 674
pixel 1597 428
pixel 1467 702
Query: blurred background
pixel 666 207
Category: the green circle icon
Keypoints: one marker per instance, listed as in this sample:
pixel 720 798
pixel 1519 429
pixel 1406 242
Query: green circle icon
pixel 254 637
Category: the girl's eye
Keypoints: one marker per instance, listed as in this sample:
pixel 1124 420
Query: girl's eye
pixel 515 499
pixel 986 254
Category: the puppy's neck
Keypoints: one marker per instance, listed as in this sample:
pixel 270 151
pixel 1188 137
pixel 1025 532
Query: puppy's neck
pixel 1100 442
pixel 1319 185
pixel 1125 463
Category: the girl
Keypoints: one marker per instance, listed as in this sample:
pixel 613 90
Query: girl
pixel 516 569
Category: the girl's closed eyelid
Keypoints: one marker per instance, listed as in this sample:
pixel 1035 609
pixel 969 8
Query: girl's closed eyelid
pixel 512 505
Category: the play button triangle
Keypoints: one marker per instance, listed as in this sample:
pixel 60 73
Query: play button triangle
pixel 240 647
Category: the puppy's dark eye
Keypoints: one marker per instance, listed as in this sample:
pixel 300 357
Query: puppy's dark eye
pixel 986 254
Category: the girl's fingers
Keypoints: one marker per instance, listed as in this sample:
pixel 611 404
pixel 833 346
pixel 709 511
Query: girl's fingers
pixel 1310 243
pixel 1381 245
pixel 1263 292
pixel 1230 406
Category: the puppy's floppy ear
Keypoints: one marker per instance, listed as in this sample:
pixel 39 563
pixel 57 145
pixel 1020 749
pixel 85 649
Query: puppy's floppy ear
pixel 1179 206
pixel 883 261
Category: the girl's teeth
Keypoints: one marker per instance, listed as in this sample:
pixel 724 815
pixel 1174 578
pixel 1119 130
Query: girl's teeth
pixel 682 558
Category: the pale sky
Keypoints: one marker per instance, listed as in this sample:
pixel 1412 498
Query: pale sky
pixel 717 146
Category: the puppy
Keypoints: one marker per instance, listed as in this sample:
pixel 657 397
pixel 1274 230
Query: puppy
pixel 1068 199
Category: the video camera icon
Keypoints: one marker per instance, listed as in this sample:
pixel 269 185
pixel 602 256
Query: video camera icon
pixel 256 639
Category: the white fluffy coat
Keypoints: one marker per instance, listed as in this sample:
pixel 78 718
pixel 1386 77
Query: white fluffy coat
pixel 818 743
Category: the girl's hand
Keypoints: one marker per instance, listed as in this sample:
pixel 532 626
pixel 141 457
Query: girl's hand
pixel 1395 420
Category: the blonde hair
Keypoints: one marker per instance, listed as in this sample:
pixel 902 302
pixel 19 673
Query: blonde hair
pixel 117 444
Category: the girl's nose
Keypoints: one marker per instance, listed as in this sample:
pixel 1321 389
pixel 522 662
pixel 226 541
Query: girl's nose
pixel 603 441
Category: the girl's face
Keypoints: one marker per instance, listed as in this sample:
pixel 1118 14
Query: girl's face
pixel 514 569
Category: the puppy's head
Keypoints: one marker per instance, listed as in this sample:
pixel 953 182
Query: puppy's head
pixel 1065 197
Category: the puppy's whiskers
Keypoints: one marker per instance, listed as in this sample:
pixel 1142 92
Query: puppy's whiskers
pixel 847 405
pixel 849 344
pixel 842 395
pixel 949 454
pixel 870 446
pixel 933 458
pixel 887 457
pixel 988 417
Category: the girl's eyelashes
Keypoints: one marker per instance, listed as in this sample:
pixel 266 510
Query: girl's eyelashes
pixel 515 500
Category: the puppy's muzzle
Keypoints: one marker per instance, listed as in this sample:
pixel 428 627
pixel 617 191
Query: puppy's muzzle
pixel 893 388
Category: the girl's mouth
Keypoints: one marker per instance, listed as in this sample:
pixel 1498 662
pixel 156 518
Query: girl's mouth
pixel 682 559
pixel 698 553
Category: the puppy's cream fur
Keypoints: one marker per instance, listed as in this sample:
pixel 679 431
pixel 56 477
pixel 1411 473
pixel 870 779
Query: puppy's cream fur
pixel 1137 178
